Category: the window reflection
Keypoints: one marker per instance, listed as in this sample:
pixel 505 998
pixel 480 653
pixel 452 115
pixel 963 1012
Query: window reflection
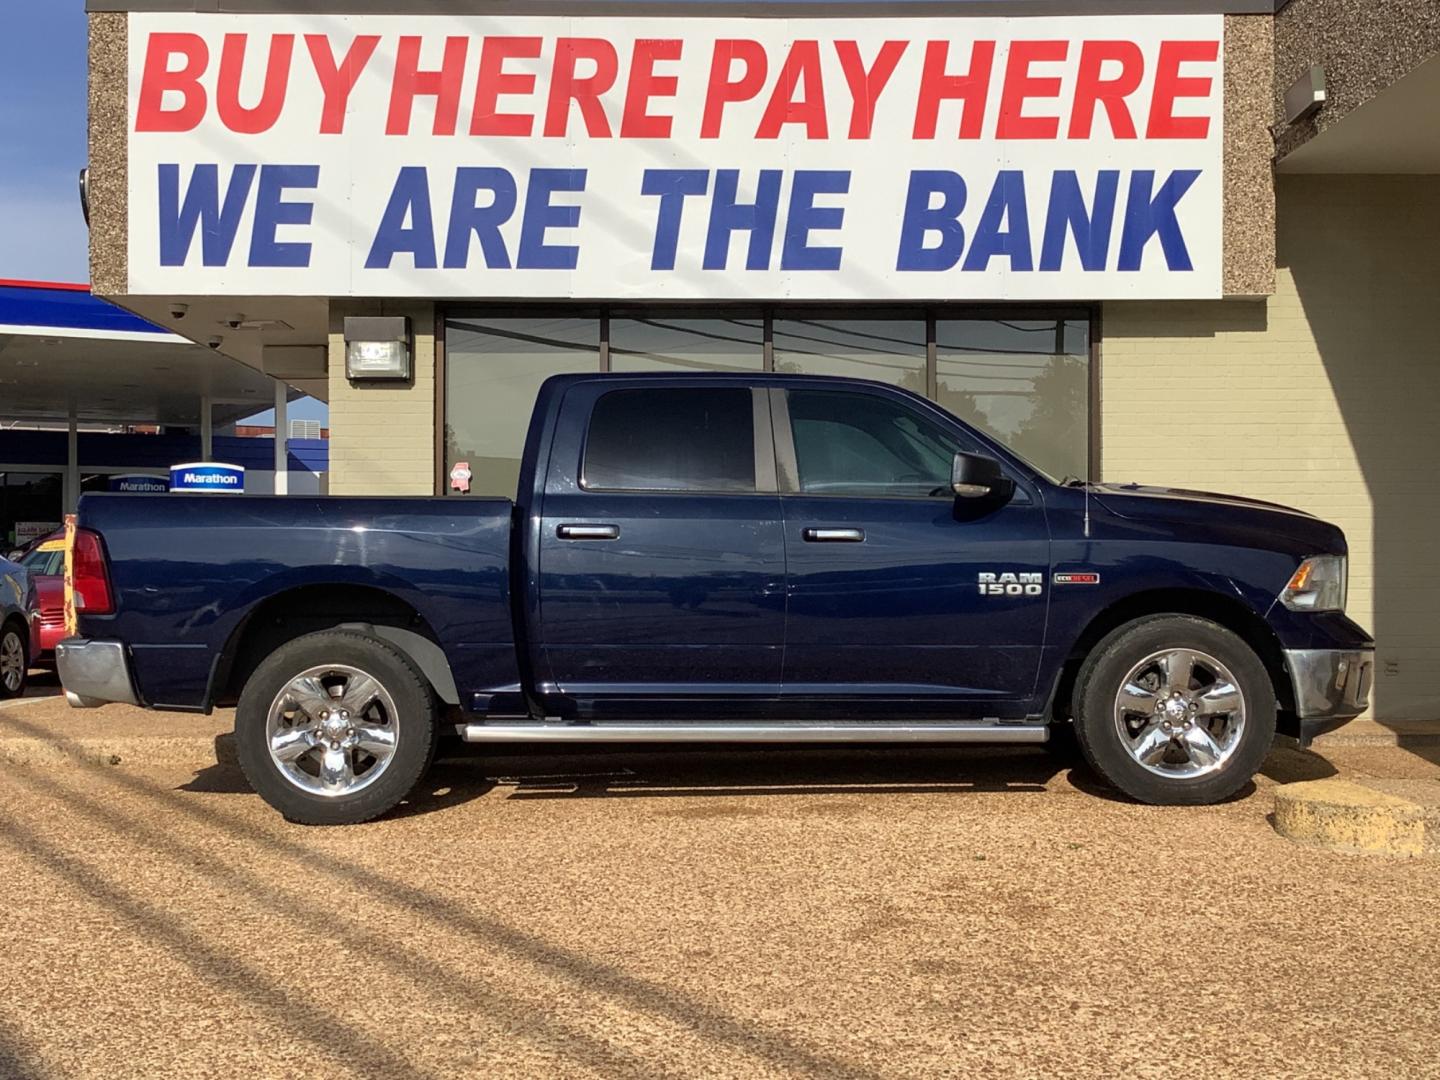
pixel 1024 381
pixel 662 343
pixel 493 371
pixel 886 350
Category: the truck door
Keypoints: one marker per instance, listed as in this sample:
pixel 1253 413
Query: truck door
pixel 897 590
pixel 661 555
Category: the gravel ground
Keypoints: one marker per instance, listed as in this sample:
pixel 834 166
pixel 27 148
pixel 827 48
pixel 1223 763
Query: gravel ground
pixel 774 913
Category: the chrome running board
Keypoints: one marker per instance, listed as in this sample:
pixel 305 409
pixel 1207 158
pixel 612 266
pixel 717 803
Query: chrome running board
pixel 755 733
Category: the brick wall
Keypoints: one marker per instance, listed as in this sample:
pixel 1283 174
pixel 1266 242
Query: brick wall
pixel 1324 397
pixel 382 436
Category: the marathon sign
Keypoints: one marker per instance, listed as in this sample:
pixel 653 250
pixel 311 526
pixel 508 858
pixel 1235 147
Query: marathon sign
pixel 208 476
pixel 513 156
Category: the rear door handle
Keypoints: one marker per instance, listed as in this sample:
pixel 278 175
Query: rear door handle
pixel 588 532
pixel 834 536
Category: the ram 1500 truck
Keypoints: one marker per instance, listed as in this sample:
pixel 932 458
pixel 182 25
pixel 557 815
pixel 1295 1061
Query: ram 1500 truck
pixel 723 559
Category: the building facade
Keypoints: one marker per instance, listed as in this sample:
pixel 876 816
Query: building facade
pixel 1179 244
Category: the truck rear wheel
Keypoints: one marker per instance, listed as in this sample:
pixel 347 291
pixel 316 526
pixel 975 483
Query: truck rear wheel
pixel 335 728
pixel 1174 709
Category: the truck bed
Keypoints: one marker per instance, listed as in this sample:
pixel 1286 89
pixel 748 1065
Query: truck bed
pixel 189 572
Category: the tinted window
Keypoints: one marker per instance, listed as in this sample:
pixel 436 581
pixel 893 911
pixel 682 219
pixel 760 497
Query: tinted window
pixel 858 444
pixel 676 344
pixel 672 440
pixel 1024 381
pixel 493 370
pixel 886 350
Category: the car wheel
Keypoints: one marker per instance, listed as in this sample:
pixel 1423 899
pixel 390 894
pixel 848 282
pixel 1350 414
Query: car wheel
pixel 1175 709
pixel 14 660
pixel 335 728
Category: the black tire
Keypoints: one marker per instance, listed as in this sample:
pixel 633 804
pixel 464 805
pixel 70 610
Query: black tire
pixel 15 634
pixel 414 722
pixel 1100 681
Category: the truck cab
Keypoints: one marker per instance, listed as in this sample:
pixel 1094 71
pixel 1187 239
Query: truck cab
pixel 729 558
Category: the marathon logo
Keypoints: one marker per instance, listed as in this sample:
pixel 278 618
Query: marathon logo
pixel 206 476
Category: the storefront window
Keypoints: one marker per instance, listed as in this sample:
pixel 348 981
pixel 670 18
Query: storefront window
pixel 661 343
pixel 886 350
pixel 30 506
pixel 493 370
pixel 1024 381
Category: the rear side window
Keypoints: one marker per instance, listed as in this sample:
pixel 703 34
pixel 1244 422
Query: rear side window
pixel 698 439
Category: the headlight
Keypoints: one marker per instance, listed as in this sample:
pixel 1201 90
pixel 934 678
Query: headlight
pixel 1318 584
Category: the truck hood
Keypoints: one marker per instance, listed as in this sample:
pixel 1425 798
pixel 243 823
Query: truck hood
pixel 1268 525
pixel 1132 500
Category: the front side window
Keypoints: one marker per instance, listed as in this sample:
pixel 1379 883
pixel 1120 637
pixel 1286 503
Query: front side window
pixel 861 444
pixel 700 439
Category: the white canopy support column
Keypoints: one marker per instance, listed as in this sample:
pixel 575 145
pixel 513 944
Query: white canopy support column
pixel 282 439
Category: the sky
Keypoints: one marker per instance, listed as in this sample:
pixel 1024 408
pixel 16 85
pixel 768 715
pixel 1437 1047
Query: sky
pixel 43 148
pixel 42 140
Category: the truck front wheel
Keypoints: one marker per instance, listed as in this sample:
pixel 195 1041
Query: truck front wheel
pixel 1175 709
pixel 335 728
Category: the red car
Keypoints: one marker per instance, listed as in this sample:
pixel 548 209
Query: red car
pixel 46 563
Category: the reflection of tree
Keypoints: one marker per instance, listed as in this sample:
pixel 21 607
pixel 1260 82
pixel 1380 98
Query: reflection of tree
pixel 1053 436
pixel 963 403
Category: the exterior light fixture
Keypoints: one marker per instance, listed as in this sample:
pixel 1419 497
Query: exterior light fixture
pixel 377 347
pixel 1305 96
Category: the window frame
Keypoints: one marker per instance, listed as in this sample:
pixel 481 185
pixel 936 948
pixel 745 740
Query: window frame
pixel 762 445
pixel 932 314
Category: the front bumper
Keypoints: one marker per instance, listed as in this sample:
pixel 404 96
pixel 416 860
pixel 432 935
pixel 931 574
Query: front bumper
pixel 94 673
pixel 1332 687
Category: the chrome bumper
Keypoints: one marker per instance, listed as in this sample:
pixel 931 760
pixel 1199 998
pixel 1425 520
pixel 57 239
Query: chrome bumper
pixel 1330 684
pixel 94 673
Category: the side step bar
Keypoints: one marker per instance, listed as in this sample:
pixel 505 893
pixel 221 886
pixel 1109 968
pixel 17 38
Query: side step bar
pixel 756 733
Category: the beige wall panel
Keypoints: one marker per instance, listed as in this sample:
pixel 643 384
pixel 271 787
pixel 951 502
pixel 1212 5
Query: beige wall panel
pixel 1324 398
pixel 382 435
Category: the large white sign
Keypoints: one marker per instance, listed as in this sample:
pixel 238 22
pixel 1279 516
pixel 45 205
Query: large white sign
pixel 674 158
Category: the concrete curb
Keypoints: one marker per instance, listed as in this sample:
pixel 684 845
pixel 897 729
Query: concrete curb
pixel 1406 734
pixel 1382 817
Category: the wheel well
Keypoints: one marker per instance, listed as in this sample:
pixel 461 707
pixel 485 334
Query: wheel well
pixel 1220 609
pixel 306 610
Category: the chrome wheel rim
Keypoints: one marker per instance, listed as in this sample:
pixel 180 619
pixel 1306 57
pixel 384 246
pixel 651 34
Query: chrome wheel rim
pixel 332 730
pixel 1180 714
pixel 12 661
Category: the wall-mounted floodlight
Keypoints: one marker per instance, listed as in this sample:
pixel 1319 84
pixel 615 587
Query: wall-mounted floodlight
pixel 1305 95
pixel 377 347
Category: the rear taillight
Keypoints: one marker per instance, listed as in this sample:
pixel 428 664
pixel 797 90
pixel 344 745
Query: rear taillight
pixel 87 578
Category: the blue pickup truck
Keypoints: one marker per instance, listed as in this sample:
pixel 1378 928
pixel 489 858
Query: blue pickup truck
pixel 724 559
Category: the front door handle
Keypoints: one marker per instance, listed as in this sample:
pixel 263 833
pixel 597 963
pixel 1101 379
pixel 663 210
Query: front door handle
pixel 588 532
pixel 834 536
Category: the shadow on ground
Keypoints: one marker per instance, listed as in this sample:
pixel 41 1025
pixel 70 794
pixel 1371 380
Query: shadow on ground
pixel 463 772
